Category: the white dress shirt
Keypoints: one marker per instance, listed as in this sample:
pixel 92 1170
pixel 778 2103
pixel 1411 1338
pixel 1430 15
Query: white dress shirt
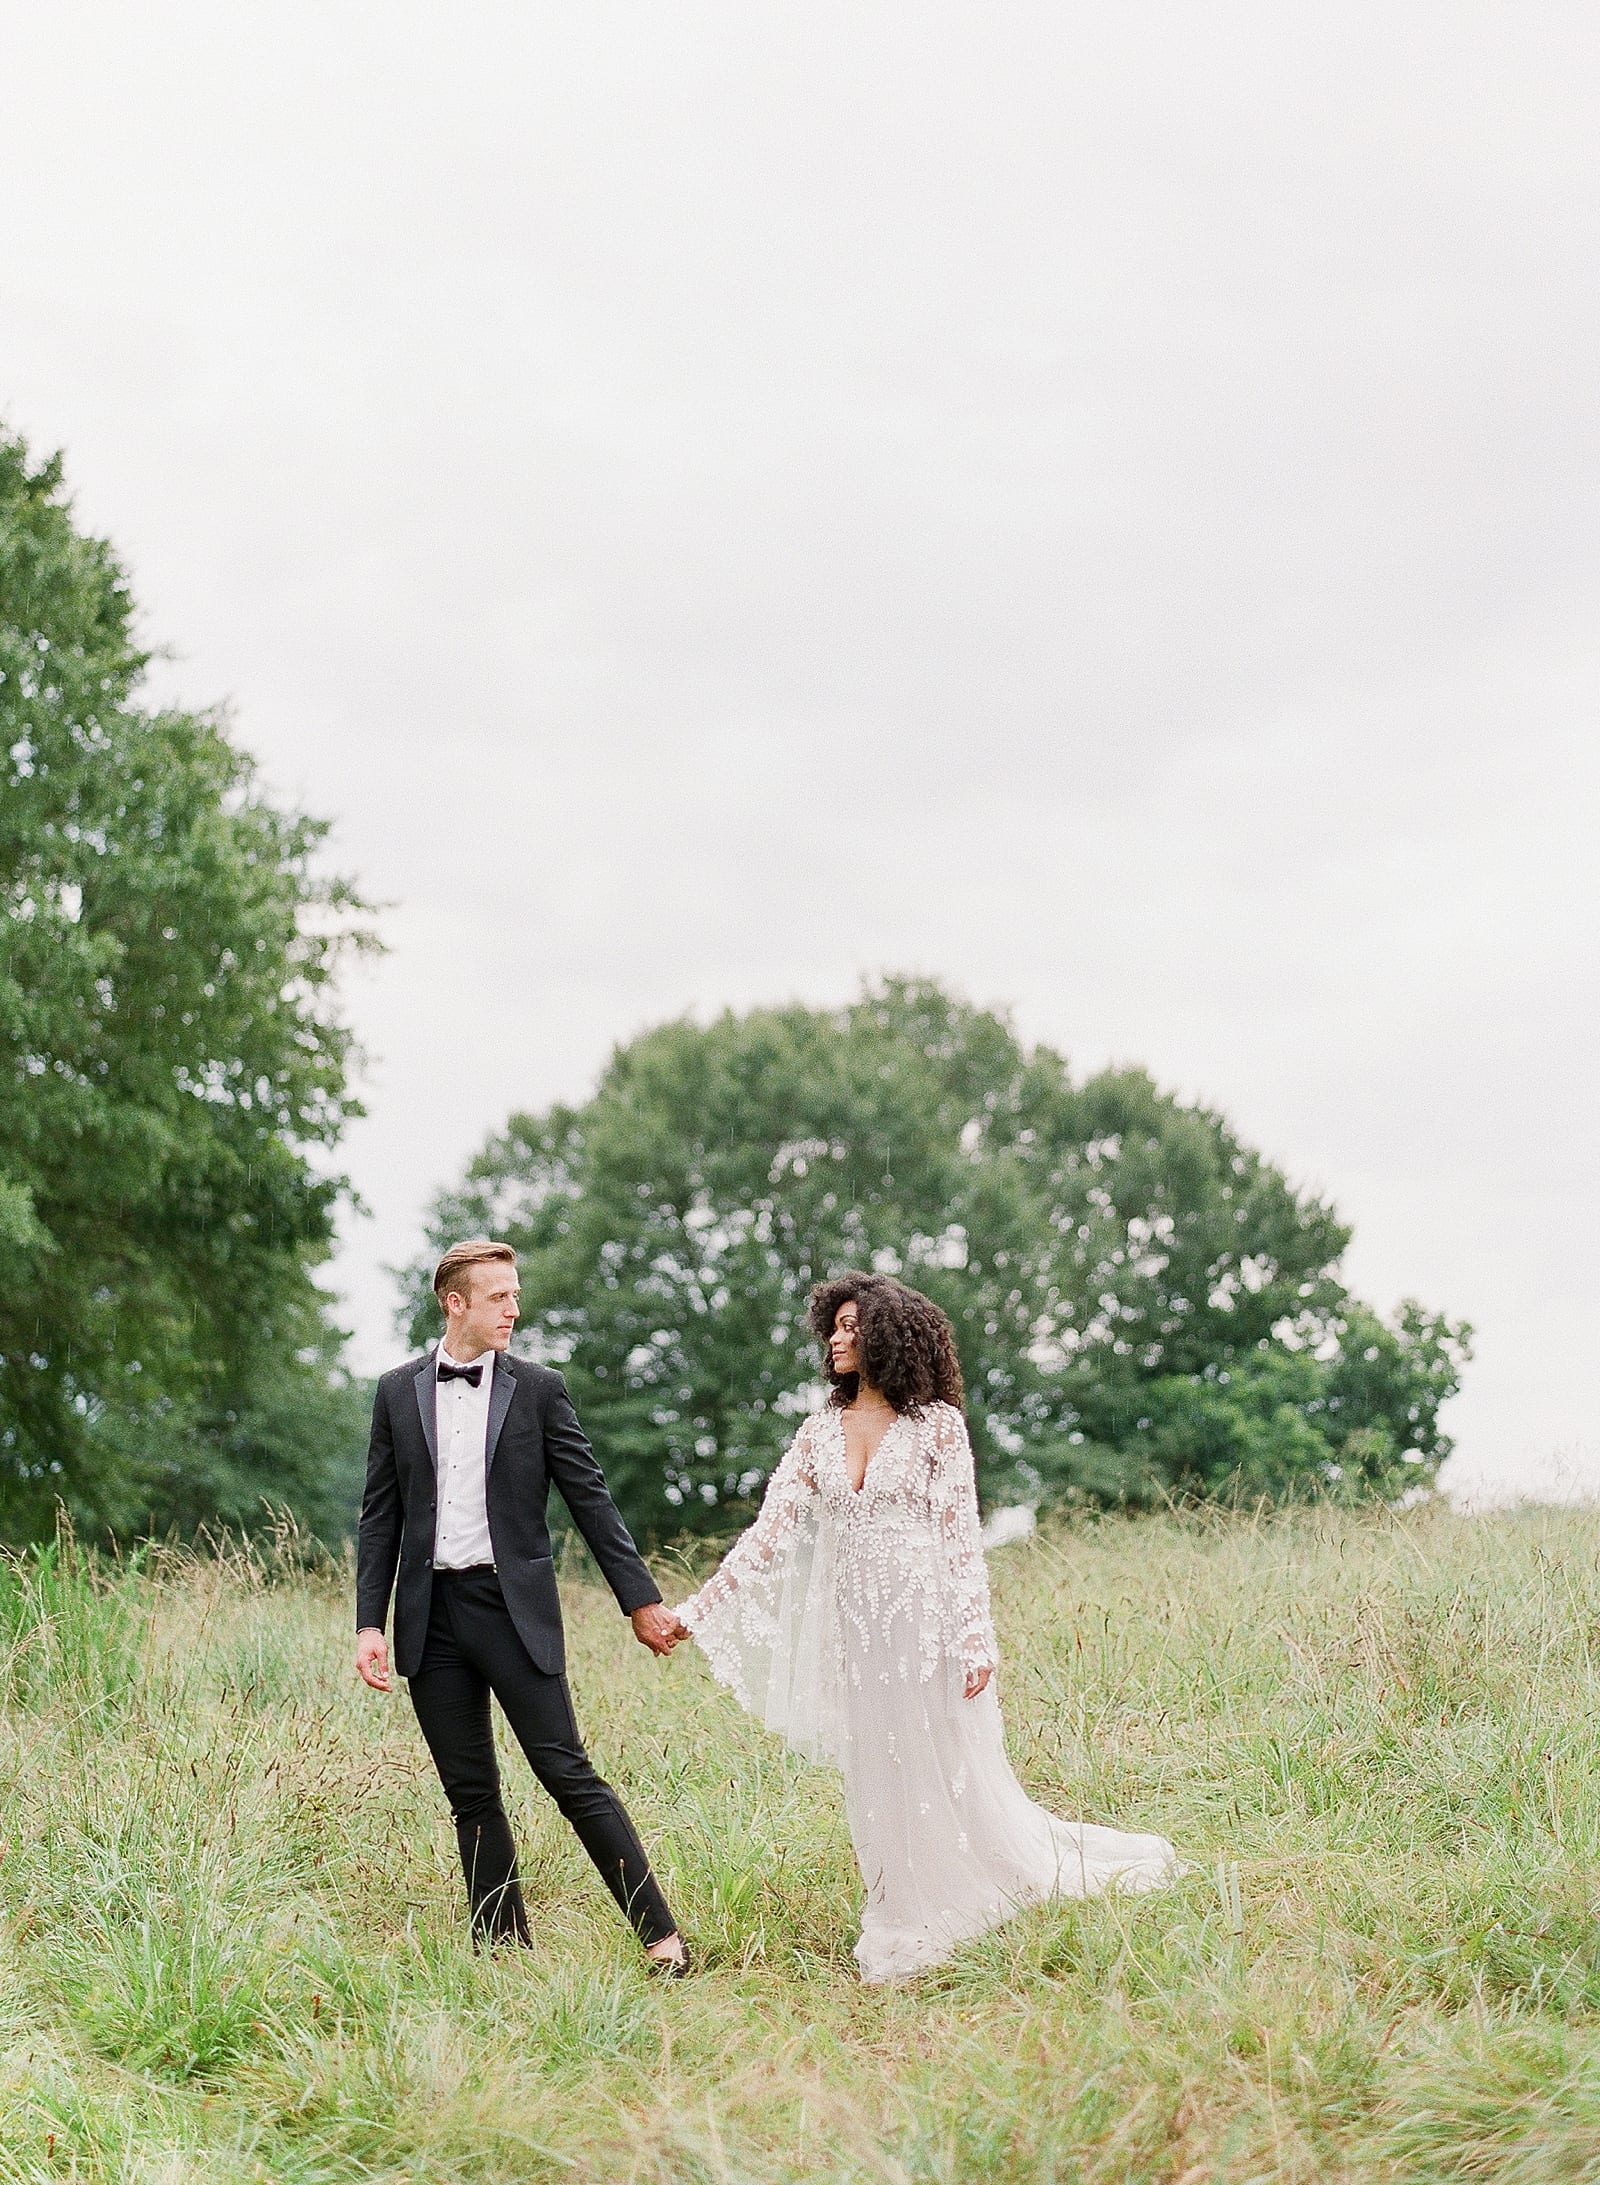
pixel 461 1423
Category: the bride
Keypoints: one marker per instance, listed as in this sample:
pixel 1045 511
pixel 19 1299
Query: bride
pixel 853 1617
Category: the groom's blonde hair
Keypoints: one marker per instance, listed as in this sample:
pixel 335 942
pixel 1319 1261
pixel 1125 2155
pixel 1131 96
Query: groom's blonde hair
pixel 452 1272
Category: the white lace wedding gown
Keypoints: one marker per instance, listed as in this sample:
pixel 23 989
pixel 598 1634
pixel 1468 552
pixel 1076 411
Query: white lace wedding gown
pixel 848 1622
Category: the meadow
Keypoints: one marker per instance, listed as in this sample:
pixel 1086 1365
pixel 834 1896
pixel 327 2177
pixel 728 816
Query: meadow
pixel 233 1947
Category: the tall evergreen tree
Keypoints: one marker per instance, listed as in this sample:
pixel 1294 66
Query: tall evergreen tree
pixel 173 1072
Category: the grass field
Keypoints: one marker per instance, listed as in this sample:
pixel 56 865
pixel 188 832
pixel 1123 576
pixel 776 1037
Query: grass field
pixel 233 1948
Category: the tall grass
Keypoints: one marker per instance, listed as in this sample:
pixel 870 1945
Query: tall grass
pixel 231 1945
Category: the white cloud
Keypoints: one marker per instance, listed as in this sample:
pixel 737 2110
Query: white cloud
pixel 716 502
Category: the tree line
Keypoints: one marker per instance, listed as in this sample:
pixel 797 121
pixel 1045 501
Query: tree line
pixel 1145 1306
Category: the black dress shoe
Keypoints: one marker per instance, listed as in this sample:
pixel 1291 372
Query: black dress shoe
pixel 671 1968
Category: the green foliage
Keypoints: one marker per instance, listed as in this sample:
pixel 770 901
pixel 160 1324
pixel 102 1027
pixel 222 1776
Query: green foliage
pixel 290 1435
pixel 1144 1305
pixel 236 1950
pixel 170 1062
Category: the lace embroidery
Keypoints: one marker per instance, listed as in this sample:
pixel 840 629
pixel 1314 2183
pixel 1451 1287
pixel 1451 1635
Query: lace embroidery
pixel 898 1590
pixel 849 1622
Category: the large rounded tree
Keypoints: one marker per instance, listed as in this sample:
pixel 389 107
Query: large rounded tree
pixel 1144 1305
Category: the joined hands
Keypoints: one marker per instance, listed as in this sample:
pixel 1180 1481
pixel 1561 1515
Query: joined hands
pixel 658 1627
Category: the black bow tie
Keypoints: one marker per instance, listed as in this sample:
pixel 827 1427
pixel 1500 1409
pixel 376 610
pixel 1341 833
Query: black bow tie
pixel 472 1375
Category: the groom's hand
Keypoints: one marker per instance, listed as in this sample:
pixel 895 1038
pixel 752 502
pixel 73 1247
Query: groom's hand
pixel 656 1627
pixel 372 1659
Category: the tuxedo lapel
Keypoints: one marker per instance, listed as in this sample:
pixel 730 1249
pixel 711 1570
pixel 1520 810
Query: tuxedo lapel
pixel 502 1389
pixel 426 1385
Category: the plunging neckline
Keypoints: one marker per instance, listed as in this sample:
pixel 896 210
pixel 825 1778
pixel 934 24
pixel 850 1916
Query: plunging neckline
pixel 855 1493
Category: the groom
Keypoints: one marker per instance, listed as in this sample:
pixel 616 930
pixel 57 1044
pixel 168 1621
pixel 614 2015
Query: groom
pixel 466 1443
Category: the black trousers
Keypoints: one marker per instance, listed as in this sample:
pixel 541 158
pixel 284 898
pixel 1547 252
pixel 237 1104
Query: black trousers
pixel 472 1649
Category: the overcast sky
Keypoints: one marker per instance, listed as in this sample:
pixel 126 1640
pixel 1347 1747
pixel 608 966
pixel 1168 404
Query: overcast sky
pixel 1095 504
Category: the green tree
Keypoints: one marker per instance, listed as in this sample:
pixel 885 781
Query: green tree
pixel 173 1073
pixel 1144 1305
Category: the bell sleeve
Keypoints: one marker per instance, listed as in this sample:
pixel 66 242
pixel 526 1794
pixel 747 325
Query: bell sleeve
pixel 765 1618
pixel 953 1496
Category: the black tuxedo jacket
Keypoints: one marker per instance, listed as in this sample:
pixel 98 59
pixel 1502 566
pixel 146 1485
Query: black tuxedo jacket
pixel 534 1441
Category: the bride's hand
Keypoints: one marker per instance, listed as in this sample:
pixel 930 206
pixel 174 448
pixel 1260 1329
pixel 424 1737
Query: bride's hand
pixel 976 1680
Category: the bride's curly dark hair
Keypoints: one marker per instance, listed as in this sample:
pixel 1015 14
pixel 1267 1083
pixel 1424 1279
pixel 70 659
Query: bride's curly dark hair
pixel 906 1344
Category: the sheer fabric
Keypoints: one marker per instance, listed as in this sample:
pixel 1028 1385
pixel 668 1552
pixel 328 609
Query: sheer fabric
pixel 848 1622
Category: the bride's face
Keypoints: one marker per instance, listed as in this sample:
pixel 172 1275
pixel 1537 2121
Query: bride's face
pixel 844 1344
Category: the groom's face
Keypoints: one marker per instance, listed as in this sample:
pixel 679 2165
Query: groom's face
pixel 487 1314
